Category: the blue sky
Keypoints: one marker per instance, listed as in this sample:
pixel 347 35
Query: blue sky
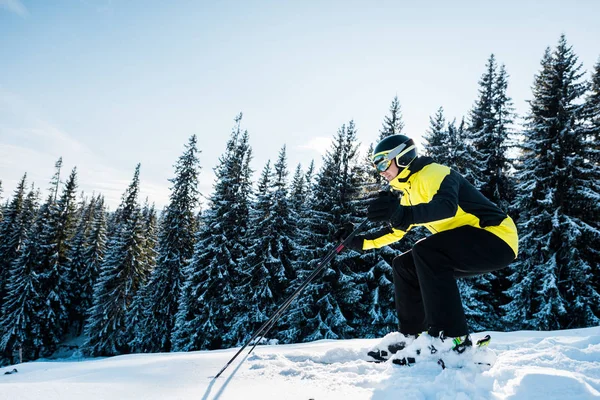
pixel 108 84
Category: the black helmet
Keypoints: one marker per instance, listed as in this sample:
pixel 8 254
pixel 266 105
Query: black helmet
pixel 399 147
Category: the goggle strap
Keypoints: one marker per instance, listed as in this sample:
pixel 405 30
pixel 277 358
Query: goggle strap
pixel 405 151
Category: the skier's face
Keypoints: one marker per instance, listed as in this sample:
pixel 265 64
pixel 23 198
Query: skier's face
pixel 391 172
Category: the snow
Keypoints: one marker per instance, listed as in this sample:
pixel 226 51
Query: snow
pixel 530 365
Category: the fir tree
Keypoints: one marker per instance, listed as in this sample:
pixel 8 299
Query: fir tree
pixel 207 302
pixel 54 279
pixel 76 264
pixel 1 206
pixel 491 121
pixel 558 194
pixel 12 234
pixel 139 312
pixel 19 320
pixel 392 123
pixel 93 256
pixel 436 144
pixel 175 249
pixel 327 306
pixel 122 273
pixel 270 261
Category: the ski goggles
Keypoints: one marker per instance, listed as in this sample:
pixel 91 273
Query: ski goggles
pixel 383 160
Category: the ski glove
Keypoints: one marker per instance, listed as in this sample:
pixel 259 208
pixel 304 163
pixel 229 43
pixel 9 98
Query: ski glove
pixel 341 234
pixel 386 208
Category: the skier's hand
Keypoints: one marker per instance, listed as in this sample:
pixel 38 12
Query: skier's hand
pixel 356 243
pixel 386 207
pixel 343 232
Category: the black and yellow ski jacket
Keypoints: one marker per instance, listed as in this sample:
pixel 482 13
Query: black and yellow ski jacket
pixel 440 199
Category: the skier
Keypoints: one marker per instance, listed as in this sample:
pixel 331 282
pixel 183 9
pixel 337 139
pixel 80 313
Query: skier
pixel 471 236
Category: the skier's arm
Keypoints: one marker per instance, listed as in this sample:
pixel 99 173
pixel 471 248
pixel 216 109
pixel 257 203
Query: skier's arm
pixel 443 202
pixel 382 238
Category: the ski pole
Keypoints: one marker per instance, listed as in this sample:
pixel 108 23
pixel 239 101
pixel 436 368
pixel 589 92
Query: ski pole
pixel 266 327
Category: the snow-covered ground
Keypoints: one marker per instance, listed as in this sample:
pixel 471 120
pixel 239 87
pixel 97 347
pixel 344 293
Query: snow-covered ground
pixel 530 365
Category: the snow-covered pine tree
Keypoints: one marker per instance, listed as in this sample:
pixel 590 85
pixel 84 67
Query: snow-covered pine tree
pixel 270 259
pixel 592 113
pixel 207 302
pixel 255 294
pixel 300 200
pixel 19 320
pixel 328 305
pixel 59 229
pixel 557 194
pixel 75 264
pixel 435 142
pixel 489 130
pixel 392 123
pixel 175 249
pixel 12 234
pixel 592 128
pixel 122 273
pixel 93 255
pixel 1 205
pixel 483 125
pixel 139 311
pixel 298 190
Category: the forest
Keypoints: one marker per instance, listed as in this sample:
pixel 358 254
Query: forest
pixel 186 278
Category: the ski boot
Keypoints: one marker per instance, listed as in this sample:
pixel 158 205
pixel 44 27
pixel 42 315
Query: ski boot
pixel 389 345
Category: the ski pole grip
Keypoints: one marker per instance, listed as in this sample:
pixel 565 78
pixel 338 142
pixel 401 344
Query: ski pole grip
pixel 351 236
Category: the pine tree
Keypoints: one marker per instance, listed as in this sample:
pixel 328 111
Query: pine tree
pixel 558 194
pixel 270 259
pixel 175 249
pixel 1 206
pixel 392 123
pixel 139 312
pixel 207 302
pixel 328 306
pixel 489 131
pixel 122 274
pixel 93 256
pixel 59 229
pixel 76 264
pixel 19 321
pixel 435 142
pixel 12 234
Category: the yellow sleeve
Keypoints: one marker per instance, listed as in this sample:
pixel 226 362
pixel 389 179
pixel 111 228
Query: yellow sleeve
pixel 384 240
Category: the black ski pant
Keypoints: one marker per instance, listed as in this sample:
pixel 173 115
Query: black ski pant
pixel 426 293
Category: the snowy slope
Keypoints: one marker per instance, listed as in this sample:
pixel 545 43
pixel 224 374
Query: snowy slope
pixel 530 365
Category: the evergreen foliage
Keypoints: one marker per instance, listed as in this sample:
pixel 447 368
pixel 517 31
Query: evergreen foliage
pixel 327 304
pixel 489 130
pixel 270 260
pixel 123 272
pixel 558 199
pixel 54 246
pixel 207 302
pixel 12 234
pixel 175 249
pixel 392 123
pixel 20 327
pixel 209 279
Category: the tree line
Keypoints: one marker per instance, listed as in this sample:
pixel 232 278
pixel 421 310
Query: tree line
pixel 135 280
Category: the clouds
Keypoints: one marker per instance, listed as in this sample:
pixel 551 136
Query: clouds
pixel 30 143
pixel 320 144
pixel 15 6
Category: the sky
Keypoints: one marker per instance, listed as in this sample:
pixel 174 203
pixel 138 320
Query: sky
pixel 528 366
pixel 109 84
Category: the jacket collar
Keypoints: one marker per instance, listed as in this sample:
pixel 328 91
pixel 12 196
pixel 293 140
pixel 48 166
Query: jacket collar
pixel 400 182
